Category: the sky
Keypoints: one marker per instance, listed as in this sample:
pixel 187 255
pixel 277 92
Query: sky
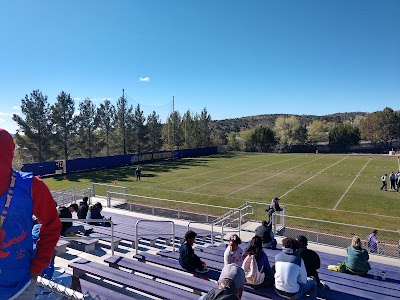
pixel 236 58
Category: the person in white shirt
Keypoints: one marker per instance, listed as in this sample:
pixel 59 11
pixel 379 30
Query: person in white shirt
pixel 384 185
pixel 233 253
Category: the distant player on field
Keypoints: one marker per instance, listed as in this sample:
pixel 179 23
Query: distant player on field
pixel 138 172
pixel 392 181
pixel 384 185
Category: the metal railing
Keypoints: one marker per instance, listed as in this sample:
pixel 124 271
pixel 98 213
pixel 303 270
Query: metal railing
pixel 340 234
pixel 101 189
pixel 71 195
pixel 153 234
pixel 98 236
pixel 199 212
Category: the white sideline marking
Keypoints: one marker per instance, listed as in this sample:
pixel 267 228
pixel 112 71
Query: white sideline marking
pixel 351 184
pixel 237 174
pixel 312 177
pixel 245 187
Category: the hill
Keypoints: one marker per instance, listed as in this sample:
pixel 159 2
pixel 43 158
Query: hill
pixel 244 123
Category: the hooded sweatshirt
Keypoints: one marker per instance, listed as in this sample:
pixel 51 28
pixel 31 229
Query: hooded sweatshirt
pixel 357 259
pixel 31 196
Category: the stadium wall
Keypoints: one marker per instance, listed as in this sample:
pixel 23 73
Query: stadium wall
pixel 97 163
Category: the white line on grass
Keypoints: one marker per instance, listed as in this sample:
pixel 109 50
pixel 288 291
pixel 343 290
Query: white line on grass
pixel 312 177
pixel 237 174
pixel 245 187
pixel 351 184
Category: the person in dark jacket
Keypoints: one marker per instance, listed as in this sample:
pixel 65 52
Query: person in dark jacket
pixel 264 231
pixel 230 284
pixel 187 258
pixel 272 208
pixel 95 213
pixel 68 227
pixel 357 258
pixel 83 208
pixel 311 260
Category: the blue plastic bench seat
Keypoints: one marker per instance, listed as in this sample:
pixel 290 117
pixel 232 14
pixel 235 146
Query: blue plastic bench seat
pixel 103 292
pixel 139 283
pixel 210 263
pixel 252 294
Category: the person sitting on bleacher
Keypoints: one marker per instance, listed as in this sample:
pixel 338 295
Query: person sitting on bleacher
pixel 256 265
pixel 311 260
pixel 233 253
pixel 357 258
pixel 230 284
pixel 95 213
pixel 83 208
pixel 264 231
pixel 187 258
pixel 68 227
pixel 291 281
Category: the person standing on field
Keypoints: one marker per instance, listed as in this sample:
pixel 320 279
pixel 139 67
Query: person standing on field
pixel 384 185
pixel 272 208
pixel 392 181
pixel 138 172
pixel 22 196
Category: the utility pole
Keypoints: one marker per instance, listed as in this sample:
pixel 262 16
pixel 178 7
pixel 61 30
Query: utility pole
pixel 123 120
pixel 173 120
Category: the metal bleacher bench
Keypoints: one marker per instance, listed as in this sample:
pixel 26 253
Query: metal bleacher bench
pixel 129 280
pixel 87 244
pixel 97 290
pixel 61 246
pixel 187 280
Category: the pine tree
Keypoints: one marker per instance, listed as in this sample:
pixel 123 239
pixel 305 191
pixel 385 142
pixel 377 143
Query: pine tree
pixel 36 126
pixel 139 129
pixel 105 114
pixel 154 132
pixel 62 119
pixel 87 123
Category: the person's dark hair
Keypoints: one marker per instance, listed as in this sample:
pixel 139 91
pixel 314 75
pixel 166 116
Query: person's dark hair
pixel 235 238
pixel 290 243
pixel 190 235
pixel 98 205
pixel 85 199
pixel 74 206
pixel 375 231
pixel 302 240
pixel 255 246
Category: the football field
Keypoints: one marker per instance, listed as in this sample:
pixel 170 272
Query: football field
pixel 339 188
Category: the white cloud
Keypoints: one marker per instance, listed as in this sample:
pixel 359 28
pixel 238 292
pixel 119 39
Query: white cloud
pixel 4 114
pixel 145 79
pixel 16 107
pixel 2 120
pixel 15 113
pixel 100 99
pixel 77 99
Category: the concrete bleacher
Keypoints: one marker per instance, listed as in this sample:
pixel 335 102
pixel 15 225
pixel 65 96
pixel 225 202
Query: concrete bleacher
pixel 157 272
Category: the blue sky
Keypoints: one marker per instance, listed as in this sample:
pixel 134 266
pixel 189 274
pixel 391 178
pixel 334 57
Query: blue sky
pixel 236 58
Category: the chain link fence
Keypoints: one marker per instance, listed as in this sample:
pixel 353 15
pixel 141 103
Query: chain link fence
pixel 340 234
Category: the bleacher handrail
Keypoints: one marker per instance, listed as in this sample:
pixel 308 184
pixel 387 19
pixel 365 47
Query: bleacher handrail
pixel 88 237
pixel 137 236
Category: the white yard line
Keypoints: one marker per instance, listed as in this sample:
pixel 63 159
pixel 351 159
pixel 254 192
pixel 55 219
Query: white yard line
pixel 245 187
pixel 344 194
pixel 312 177
pixel 244 172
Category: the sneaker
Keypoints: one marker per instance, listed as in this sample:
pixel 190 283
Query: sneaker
pixel 205 270
pixel 88 232
pixel 322 285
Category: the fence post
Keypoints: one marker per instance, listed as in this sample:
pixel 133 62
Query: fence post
pixel 240 221
pixel 207 213
pixel 93 191
pixel 274 222
pixel 317 231
pixel 152 210
pixel 108 199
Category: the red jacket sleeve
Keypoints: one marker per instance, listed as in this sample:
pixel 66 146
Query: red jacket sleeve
pixel 45 211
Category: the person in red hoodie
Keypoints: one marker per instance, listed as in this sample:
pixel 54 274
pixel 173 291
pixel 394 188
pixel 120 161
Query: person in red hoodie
pixel 21 196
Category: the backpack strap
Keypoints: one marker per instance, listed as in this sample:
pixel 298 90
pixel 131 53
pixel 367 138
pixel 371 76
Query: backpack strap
pixel 9 197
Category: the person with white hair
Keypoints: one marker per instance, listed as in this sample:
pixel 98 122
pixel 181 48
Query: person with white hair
pixel 230 284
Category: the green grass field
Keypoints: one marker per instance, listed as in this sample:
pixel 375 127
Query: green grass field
pixel 337 188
